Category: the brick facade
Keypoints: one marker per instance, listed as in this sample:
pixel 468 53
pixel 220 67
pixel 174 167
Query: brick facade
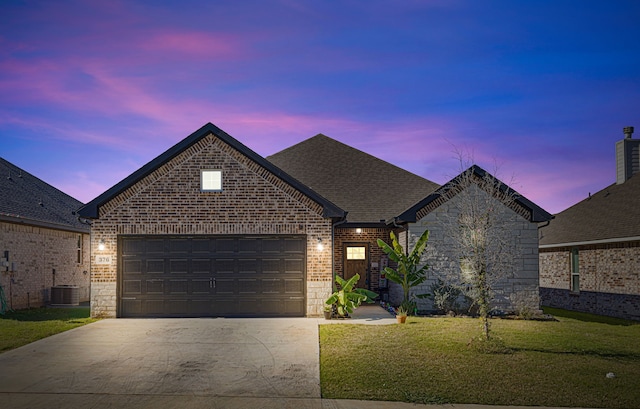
pixel 169 201
pixel 609 279
pixel 368 236
pixel 41 258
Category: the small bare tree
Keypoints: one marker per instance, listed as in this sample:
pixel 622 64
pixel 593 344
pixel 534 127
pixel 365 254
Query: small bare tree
pixel 478 228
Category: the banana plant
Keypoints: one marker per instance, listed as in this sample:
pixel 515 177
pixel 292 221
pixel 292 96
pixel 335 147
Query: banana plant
pixel 409 272
pixel 346 297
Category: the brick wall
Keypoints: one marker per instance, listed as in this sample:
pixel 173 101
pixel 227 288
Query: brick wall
pixel 368 236
pixel 169 201
pixel 36 252
pixel 610 271
pixel 516 289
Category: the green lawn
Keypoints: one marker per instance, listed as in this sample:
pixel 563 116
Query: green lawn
pixel 434 360
pixel 25 326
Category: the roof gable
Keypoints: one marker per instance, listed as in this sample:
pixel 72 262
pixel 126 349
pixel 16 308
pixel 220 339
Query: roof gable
pixel 369 188
pixel 526 208
pixel 611 213
pixel 91 209
pixel 28 199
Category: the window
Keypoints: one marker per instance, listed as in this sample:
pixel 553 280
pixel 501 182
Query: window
pixel 211 181
pixel 575 271
pixel 356 253
pixel 79 250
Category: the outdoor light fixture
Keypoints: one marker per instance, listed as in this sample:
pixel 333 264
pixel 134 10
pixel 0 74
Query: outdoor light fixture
pixel 358 230
pixel 101 245
pixel 320 246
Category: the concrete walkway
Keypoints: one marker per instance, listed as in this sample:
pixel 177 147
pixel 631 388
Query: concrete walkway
pixel 182 363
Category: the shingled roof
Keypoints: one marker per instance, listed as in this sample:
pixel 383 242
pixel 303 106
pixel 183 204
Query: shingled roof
pixel 612 214
pixel 534 212
pixel 368 188
pixel 27 199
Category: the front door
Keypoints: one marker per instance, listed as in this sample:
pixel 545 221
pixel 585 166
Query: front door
pixel 356 260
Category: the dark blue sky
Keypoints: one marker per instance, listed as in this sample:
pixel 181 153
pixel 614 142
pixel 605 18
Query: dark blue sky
pixel 542 89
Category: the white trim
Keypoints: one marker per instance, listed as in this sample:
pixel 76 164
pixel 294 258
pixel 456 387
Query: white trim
pixel 584 243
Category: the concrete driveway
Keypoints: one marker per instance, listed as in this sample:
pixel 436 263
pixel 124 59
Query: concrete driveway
pixel 167 363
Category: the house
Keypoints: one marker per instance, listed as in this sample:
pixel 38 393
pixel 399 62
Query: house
pixel 211 228
pixel 590 252
pixel 43 245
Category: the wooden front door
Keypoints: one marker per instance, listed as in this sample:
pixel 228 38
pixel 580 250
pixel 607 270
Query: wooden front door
pixel 356 260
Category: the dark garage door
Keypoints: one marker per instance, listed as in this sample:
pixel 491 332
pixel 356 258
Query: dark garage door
pixel 212 276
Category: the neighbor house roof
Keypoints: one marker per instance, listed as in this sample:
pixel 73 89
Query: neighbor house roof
pixel 612 214
pixel 535 213
pixel 369 188
pixel 28 200
pixel 91 209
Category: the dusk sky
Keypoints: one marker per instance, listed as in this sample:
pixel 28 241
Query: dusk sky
pixel 92 90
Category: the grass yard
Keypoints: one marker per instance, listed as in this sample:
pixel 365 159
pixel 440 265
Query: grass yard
pixel 25 326
pixel 434 361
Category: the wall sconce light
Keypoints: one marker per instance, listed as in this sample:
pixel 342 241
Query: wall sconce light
pixel 101 245
pixel 358 230
pixel 320 246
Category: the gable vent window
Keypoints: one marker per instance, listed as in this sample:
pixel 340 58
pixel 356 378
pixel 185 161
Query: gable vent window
pixel 211 181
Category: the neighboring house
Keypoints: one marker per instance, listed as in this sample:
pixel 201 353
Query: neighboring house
pixel 590 252
pixel 42 242
pixel 211 228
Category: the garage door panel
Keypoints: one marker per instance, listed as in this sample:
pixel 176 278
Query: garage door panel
pixel 272 266
pixel 132 287
pixel 179 246
pixel 202 245
pixel 178 266
pixel 225 266
pixel 271 286
pixel 248 286
pixel 294 286
pixel 201 286
pixel 294 246
pixel 133 246
pixel 201 266
pixel 227 245
pixel 200 276
pixel 154 246
pixel 131 307
pixel 248 266
pixel 295 266
pixel 132 266
pixel 178 286
pixel 154 266
pixel 250 246
pixel 225 286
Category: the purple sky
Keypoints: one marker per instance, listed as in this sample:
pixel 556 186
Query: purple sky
pixel 91 91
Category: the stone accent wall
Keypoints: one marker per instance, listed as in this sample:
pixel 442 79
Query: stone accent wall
pixel 518 289
pixel 608 273
pixel 377 258
pixel 252 201
pixel 36 252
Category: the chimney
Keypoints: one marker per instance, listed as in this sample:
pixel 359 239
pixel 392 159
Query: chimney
pixel 627 156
